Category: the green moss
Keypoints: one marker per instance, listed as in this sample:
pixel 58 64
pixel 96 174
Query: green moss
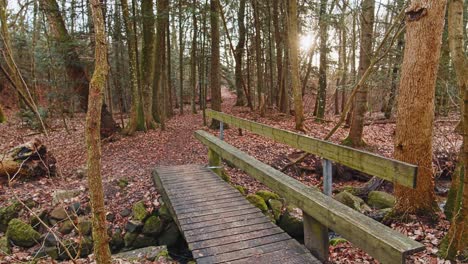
pixel 122 183
pixel 381 200
pixel 22 234
pixel 85 226
pixel 164 213
pixel 7 214
pixel 337 240
pixel 2 115
pixel 163 254
pixel 257 201
pixel 241 189
pixel 276 206
pixel 453 198
pixel 4 247
pixel 267 195
pixel 292 225
pixel 141 125
pixel 139 211
pixel 352 201
pixel 153 226
pixel 66 227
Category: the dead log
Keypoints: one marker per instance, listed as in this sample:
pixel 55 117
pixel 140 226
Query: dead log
pixel 28 160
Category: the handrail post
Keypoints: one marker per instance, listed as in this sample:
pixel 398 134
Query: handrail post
pixel 327 177
pixel 221 130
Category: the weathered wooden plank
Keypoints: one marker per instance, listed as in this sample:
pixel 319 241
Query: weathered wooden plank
pixel 234 238
pixel 200 219
pixel 203 209
pixel 239 245
pixel 216 197
pixel 213 211
pixel 182 188
pixel 248 252
pixel 316 237
pixel 385 168
pixel 278 256
pixel 228 232
pixel 210 203
pixel 199 193
pixel 217 222
pixel 380 241
pixel 205 229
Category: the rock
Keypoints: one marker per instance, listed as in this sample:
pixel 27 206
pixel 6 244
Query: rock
pixel 257 201
pixel 4 246
pixel 75 208
pixel 73 247
pixel 129 238
pixel 381 200
pixel 36 224
pixel 110 217
pixel 116 242
pixel 125 212
pixel 133 226
pixel 47 251
pixel 139 211
pixel 141 254
pixel 337 240
pixel 66 227
pixel 241 189
pixel 276 206
pixel 49 240
pixel 379 215
pixel 164 213
pixel 142 241
pixel 22 234
pixel 352 201
pixel 267 195
pixel 292 225
pixel 85 226
pixel 59 213
pixel 62 195
pixel 122 183
pixel 169 236
pixel 152 226
pixel 7 214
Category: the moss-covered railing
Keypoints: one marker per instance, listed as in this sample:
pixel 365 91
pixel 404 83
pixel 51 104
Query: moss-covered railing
pixel 320 211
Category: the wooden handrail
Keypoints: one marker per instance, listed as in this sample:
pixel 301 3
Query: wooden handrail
pixel 378 240
pixel 375 165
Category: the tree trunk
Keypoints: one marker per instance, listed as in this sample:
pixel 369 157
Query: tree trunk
pixel 93 140
pixel 322 91
pixel 193 64
pixel 281 89
pixel 147 61
pixel 159 98
pixel 137 119
pixel 293 53
pixel 259 58
pixel 181 59
pixel 215 61
pixel 3 118
pixel 413 141
pixel 456 241
pixel 365 54
pixel 239 54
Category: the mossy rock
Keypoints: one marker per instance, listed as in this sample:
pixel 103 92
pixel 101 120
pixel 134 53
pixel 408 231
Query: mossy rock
pixel 122 183
pixel 139 211
pixel 7 214
pixel 276 206
pixel 43 252
pixel 116 242
pixel 164 214
pixel 142 241
pixel 267 195
pixel 86 246
pixel 4 246
pixel 85 226
pixel 66 227
pixel 152 226
pixel 169 236
pixel 129 238
pixel 292 225
pixel 352 201
pixel 241 189
pixel 257 201
pixel 59 213
pixel 36 221
pixel 337 240
pixel 381 200
pixel 22 234
pixel 140 255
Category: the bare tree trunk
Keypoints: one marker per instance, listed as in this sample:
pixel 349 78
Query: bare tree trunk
pixel 365 54
pixel 147 61
pixel 93 140
pixel 215 61
pixel 259 58
pixel 279 59
pixel 322 91
pixel 293 53
pixel 193 64
pixel 181 59
pixel 239 54
pixel 3 118
pixel 413 141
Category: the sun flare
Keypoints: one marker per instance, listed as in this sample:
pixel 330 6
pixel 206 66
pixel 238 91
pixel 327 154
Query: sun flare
pixel 306 41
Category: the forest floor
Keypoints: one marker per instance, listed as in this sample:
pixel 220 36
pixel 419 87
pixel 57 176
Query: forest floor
pixel 133 158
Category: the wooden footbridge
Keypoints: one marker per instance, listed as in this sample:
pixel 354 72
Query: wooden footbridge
pixel 220 226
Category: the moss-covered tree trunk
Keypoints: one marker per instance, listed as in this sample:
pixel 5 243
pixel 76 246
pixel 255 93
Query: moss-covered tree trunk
pixel 137 119
pixel 456 241
pixel 239 54
pixel 147 61
pixel 365 55
pixel 2 115
pixel 323 33
pixel 160 78
pixel 413 140
pixel 215 61
pixel 93 139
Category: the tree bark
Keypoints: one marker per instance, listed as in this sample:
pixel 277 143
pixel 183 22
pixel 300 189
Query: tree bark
pixel 147 61
pixel 159 98
pixel 413 141
pixel 3 118
pixel 193 64
pixel 456 241
pixel 181 59
pixel 293 53
pixel 323 33
pixel 365 54
pixel 239 54
pixel 93 140
pixel 259 58
pixel 215 61
pixel 137 119
pixel 280 97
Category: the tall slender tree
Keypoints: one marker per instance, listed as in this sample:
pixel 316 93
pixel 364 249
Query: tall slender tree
pixel 323 33
pixel 193 64
pixel 413 140
pixel 239 54
pixel 294 60
pixel 215 61
pixel 93 139
pixel 259 58
pixel 147 61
